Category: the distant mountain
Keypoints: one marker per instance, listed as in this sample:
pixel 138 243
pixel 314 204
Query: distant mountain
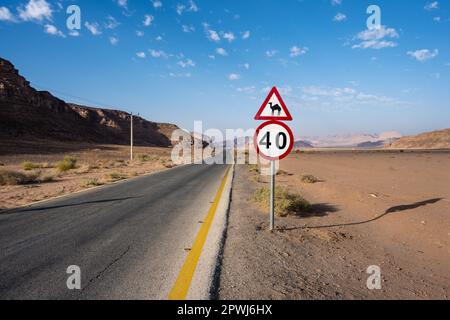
pixel 352 140
pixel 430 140
pixel 301 144
pixel 27 114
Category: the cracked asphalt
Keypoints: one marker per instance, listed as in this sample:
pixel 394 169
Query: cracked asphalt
pixel 129 239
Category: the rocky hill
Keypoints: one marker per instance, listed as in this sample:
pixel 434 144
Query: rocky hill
pixel 430 140
pixel 26 113
pixel 302 144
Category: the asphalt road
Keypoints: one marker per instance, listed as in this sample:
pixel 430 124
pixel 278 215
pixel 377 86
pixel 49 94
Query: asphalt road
pixel 129 239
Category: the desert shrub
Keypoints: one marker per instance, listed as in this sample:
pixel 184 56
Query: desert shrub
pixel 46 177
pixel 12 178
pixel 115 176
pixel 15 178
pixel 91 183
pixel 85 168
pixel 47 165
pixel 285 203
pixel 67 164
pixel 308 178
pixel 28 165
pixel 282 173
pixel 254 169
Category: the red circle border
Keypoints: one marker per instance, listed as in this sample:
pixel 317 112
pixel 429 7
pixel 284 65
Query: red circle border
pixel 285 126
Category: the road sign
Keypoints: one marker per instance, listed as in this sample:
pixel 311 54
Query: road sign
pixel 274 140
pixel 273 108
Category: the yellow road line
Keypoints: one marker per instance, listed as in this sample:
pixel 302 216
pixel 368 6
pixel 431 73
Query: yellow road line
pixel 181 287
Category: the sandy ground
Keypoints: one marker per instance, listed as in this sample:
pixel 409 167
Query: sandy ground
pixel 94 163
pixel 388 209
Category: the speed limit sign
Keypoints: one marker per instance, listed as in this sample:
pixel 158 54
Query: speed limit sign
pixel 274 140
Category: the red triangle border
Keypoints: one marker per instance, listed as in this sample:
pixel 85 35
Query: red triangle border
pixel 283 106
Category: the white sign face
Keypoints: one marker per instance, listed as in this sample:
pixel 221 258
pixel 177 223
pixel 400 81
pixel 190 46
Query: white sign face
pixel 274 140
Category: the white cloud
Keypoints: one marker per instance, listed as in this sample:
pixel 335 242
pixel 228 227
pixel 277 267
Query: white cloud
pixel 221 51
pixel 192 6
pixel 157 4
pixel 212 35
pixel 148 20
pixel 246 66
pixel 6 15
pixel 336 2
pixel 51 29
pixel 159 38
pixel 271 53
pixel 180 75
pixel 437 19
pixel 139 33
pixel 298 51
pixel 229 36
pixel 93 28
pixel 111 23
pixel 340 17
pixel 375 38
pixel 157 53
pixel 113 40
pixel 180 8
pixel 234 77
pixel 432 6
pixel 378 34
pixel 245 35
pixel 247 90
pixel 122 3
pixel 141 54
pixel 74 33
pixel 345 97
pixel 36 10
pixel 186 64
pixel 188 28
pixel 375 44
pixel 424 54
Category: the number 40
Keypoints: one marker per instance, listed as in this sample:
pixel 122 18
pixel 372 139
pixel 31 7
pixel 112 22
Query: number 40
pixel 280 137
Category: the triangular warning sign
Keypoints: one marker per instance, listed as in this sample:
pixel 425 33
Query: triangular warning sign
pixel 273 108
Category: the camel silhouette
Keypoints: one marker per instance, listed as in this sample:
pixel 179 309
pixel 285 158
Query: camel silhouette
pixel 275 108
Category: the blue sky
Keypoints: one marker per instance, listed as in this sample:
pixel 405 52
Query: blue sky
pixel 181 61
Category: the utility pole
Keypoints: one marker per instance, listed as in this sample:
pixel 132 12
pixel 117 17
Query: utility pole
pixel 131 140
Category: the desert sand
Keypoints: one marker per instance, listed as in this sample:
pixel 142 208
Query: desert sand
pixel 388 209
pixel 96 165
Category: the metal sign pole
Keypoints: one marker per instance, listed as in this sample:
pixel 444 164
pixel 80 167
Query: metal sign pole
pixel 272 195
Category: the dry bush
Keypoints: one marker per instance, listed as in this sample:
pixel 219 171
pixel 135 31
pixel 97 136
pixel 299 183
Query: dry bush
pixel 28 166
pixel 114 176
pixel 285 203
pixel 91 183
pixel 46 177
pixel 12 178
pixel 253 168
pixel 15 178
pixel 85 168
pixel 308 178
pixel 67 164
pixel 282 173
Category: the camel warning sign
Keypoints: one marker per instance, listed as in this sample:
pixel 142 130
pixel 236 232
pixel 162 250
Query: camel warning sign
pixel 273 108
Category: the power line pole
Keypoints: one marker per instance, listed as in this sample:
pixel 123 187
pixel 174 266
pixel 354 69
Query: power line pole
pixel 131 140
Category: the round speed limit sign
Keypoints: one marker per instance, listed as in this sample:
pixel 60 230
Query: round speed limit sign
pixel 274 140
